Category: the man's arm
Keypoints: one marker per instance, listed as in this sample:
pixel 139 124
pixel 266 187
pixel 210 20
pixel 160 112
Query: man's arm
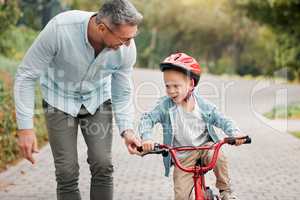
pixel 122 99
pixel 36 60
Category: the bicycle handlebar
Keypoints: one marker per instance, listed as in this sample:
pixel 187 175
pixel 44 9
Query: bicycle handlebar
pixel 166 149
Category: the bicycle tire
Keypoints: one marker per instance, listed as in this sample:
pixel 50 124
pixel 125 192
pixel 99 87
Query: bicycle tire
pixel 209 194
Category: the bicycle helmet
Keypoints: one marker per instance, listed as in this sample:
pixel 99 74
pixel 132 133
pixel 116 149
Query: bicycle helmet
pixel 184 63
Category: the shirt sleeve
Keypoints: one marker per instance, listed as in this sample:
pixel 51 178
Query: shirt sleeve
pixel 35 61
pixel 148 120
pixel 227 125
pixel 122 91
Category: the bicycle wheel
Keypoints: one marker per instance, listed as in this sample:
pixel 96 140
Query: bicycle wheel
pixel 209 194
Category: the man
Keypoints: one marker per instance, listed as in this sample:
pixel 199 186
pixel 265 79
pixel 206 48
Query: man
pixel 84 62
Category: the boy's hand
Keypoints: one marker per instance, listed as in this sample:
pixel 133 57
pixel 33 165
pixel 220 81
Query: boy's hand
pixel 148 145
pixel 238 141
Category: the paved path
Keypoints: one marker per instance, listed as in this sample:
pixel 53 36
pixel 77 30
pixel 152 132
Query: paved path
pixel 268 169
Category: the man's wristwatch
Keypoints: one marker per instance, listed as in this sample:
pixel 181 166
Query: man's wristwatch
pixel 123 134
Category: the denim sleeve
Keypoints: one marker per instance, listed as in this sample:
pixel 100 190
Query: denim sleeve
pixel 122 91
pixel 227 125
pixel 148 120
pixel 35 61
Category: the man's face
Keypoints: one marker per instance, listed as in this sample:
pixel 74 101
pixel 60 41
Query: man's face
pixel 119 35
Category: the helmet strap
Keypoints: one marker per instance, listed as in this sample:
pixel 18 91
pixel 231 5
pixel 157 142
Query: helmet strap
pixel 190 92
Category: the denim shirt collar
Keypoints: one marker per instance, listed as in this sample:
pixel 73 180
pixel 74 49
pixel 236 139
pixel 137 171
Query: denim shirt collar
pixel 205 113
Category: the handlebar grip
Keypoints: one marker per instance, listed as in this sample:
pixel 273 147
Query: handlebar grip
pixel 248 140
pixel 232 140
pixel 156 150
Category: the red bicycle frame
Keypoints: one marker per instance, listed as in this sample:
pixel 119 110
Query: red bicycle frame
pixel 198 171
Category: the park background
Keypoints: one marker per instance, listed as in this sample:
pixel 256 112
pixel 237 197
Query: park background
pixel 250 39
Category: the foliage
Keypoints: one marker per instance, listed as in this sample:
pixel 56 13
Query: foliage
pixel 291 112
pixel 37 13
pixel 296 134
pixel 9 151
pixel 17 41
pixel 283 17
pixel 9 14
pixel 212 31
pixel 83 4
pixel 8 146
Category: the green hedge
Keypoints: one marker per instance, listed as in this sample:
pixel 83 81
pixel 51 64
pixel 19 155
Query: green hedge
pixel 16 41
pixel 9 151
pixel 292 111
pixel 296 134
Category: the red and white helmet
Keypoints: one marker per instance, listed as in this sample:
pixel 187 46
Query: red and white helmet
pixel 184 63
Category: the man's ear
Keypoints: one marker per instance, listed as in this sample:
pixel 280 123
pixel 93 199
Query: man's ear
pixel 101 27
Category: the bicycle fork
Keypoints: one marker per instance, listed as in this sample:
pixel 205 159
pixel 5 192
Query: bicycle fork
pixel 199 183
pixel 201 191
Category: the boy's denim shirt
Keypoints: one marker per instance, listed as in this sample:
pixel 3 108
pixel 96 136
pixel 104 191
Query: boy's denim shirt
pixel 164 113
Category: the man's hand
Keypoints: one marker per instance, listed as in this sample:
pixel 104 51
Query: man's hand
pixel 131 141
pixel 27 143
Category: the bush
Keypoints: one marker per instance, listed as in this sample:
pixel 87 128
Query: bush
pixel 223 66
pixel 9 14
pixel 8 147
pixel 292 111
pixel 13 44
pixel 296 134
pixel 248 70
pixel 9 151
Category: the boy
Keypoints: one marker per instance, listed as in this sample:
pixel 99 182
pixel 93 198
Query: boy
pixel 187 120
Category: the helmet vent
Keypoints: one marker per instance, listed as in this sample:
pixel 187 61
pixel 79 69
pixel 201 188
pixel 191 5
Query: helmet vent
pixel 177 56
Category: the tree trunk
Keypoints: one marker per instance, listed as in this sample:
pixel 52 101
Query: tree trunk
pixel 152 47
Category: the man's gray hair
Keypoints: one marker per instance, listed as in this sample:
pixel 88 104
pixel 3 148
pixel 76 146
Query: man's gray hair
pixel 119 12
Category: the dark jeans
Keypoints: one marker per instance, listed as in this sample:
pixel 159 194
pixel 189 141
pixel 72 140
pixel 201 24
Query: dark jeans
pixel 97 132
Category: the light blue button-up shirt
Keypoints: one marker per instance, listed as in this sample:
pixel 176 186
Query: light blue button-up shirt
pixel 64 61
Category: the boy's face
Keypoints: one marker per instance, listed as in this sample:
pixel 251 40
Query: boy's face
pixel 177 85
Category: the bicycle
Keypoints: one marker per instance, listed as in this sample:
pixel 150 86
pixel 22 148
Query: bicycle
pixel 202 192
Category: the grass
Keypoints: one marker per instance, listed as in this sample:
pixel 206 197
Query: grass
pixel 296 134
pixel 292 111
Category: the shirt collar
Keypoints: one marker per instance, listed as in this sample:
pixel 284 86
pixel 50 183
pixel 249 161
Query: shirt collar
pixel 86 23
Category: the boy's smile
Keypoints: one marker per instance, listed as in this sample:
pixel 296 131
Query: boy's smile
pixel 177 85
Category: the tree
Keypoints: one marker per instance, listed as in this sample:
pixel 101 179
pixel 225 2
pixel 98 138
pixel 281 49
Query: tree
pixel 37 13
pixel 283 17
pixel 9 14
